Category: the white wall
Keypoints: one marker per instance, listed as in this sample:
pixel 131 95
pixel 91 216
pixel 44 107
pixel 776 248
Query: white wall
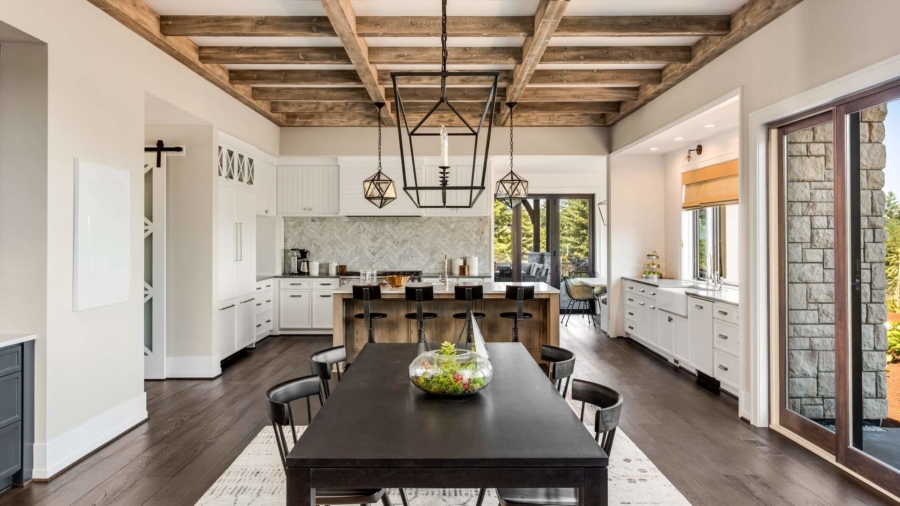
pixel 190 249
pixel 98 74
pixel 637 225
pixel 720 148
pixel 360 141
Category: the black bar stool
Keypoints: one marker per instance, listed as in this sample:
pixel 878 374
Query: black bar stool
pixel 419 294
pixel 469 294
pixel 520 294
pixel 367 293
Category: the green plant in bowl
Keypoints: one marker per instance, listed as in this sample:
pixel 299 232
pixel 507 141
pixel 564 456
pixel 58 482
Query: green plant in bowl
pixel 450 372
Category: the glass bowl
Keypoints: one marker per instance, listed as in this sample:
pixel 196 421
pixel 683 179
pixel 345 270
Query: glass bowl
pixel 450 372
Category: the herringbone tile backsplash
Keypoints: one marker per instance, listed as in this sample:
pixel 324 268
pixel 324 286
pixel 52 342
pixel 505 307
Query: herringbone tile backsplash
pixel 391 243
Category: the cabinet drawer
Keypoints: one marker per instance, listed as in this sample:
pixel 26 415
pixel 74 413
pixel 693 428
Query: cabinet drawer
pixel 725 312
pixel 10 450
pixel 11 360
pixel 266 284
pixel 631 300
pixel 631 327
pixel 326 284
pixel 10 399
pixel 631 313
pixel 296 284
pixel 263 323
pixel 263 303
pixel 727 337
pixel 727 370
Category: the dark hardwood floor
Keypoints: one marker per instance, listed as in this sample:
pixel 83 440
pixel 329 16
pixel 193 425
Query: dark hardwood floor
pixel 198 427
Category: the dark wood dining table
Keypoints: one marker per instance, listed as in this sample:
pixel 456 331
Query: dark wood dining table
pixel 377 430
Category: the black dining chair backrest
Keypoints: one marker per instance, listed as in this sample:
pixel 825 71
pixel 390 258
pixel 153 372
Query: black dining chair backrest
pixel 419 293
pixel 366 292
pixel 519 293
pixel 321 363
pixel 279 400
pixel 562 365
pixel 609 404
pixel 468 292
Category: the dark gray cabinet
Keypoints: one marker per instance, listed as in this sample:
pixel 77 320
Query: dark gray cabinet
pixel 16 413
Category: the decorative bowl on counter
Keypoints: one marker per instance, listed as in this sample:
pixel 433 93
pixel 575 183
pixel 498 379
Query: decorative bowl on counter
pixel 397 281
pixel 450 372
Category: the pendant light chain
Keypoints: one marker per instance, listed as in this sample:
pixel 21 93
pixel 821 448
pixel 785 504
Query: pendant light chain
pixel 444 36
pixel 511 110
pixel 379 106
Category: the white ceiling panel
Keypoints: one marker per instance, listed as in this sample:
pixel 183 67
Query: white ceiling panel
pixel 288 66
pixel 622 41
pixel 451 41
pixel 454 7
pixel 437 66
pixel 598 66
pixel 268 41
pixel 723 118
pixel 651 7
pixel 237 7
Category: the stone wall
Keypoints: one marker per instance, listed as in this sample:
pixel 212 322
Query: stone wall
pixel 810 270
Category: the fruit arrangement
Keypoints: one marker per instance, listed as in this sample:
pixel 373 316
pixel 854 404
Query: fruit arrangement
pixel 651 268
pixel 450 372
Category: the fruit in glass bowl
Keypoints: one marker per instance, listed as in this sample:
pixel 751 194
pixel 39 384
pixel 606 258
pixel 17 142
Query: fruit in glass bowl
pixel 450 372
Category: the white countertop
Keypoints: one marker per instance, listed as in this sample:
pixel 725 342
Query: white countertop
pixel 440 288
pixel 728 295
pixel 11 339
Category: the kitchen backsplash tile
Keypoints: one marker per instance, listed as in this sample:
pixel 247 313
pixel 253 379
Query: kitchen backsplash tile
pixel 391 243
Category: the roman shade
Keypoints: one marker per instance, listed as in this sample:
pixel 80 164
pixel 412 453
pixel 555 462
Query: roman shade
pixel 711 186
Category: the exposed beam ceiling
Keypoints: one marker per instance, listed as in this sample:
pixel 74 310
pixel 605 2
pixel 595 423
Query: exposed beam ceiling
pixel 320 70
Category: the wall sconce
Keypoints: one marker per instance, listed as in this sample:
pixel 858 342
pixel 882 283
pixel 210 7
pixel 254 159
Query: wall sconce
pixel 698 150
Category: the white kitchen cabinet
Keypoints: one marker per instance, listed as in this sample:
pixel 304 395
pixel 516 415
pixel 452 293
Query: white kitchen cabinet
pixel 651 333
pixel 266 183
pixel 700 323
pixel 246 264
pixel 295 310
pixel 727 369
pixel 681 342
pixel 236 165
pixel 322 310
pixel 245 322
pixel 226 321
pixel 354 170
pixel 228 245
pixel 308 189
pixel 666 325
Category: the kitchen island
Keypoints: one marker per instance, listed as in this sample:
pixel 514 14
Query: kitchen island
pixel 542 328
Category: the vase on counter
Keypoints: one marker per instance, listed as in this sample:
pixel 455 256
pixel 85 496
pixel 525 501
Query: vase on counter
pixel 472 262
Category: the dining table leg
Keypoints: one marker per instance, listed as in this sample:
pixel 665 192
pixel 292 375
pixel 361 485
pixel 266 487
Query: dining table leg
pixel 595 488
pixel 299 492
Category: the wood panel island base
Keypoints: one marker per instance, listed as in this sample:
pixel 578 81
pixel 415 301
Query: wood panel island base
pixel 542 328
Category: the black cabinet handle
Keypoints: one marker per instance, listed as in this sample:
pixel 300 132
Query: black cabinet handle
pixel 723 367
pixel 325 284
pixel 630 300
pixel 296 284
pixel 268 321
pixel 723 336
pixel 670 319
pixel 652 307
pixel 698 306
pixel 259 288
pixel 325 296
pixel 642 290
pixel 258 304
pixel 723 312
pixel 248 300
pixel 258 325
pixel 296 296
pixel 641 303
pixel 652 293
pixel 630 327
pixel 630 314
pixel 268 301
pixel 226 307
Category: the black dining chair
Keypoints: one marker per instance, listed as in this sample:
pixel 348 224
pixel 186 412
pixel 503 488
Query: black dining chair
pixel 420 293
pixel 279 400
pixel 560 366
pixel 368 293
pixel 609 407
pixel 322 362
pixel 518 293
pixel 469 294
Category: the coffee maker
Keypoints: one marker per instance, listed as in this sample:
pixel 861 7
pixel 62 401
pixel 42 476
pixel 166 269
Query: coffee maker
pixel 291 262
pixel 303 262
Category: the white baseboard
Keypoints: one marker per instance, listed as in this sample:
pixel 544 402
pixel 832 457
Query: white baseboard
pixel 193 367
pixel 54 456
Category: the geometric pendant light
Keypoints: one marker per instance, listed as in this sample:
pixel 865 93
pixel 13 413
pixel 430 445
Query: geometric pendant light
pixel 379 189
pixel 511 189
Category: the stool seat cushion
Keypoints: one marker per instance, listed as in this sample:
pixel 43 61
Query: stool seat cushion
pixel 425 316
pixel 463 316
pixel 374 316
pixel 512 316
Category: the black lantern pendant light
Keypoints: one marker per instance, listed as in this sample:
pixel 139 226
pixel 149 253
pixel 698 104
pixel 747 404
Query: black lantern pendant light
pixel 464 187
pixel 511 189
pixel 378 188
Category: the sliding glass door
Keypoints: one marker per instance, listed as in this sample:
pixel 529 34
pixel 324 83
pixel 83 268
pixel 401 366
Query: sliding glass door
pixel 838 175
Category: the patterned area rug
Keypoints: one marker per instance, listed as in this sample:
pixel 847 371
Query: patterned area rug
pixel 256 478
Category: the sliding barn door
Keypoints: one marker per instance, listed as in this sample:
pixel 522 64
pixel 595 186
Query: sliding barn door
pixel 154 267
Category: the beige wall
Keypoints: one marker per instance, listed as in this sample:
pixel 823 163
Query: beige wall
pixel 361 141
pixel 99 72
pixel 190 248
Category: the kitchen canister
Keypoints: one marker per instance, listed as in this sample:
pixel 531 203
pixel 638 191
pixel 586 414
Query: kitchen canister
pixel 332 269
pixel 472 262
pixel 457 263
pixel 313 268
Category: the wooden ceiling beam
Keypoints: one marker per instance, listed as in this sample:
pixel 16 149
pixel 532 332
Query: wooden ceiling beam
pixel 457 55
pixel 549 14
pixel 573 94
pixel 244 26
pixel 356 108
pixel 617 54
pixel 313 94
pixel 299 77
pixel 616 77
pixel 273 55
pixel 744 22
pixel 141 19
pixel 384 76
pixel 643 26
pixel 344 21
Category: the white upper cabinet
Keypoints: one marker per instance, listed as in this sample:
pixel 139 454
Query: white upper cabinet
pixel 308 189
pixel 266 181
pixel 354 170
pixel 236 165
